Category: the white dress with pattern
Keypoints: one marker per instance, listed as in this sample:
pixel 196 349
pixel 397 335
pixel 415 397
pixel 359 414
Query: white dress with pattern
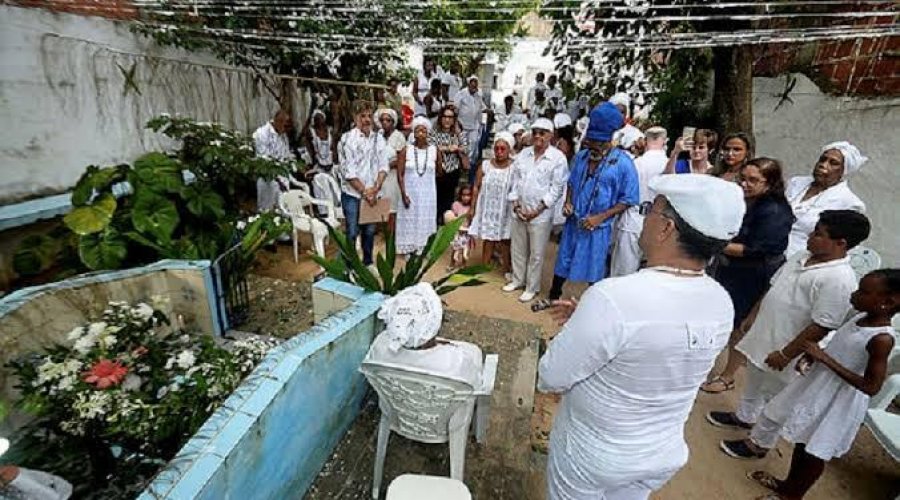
pixel 820 409
pixel 493 213
pixel 418 222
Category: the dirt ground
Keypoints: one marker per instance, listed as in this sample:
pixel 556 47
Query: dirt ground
pixel 866 473
pixel 278 307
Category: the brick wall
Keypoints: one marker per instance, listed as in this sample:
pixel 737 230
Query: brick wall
pixel 112 9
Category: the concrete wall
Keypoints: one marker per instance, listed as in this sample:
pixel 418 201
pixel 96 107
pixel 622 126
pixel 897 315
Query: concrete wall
pixel 37 317
pixel 65 104
pixel 272 436
pixel 796 131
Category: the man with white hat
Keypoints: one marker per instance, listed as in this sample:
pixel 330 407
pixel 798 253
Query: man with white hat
pixel 634 351
pixel 539 174
pixel 470 105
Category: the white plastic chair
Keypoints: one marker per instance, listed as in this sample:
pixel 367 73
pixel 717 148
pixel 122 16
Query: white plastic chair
pixel 429 409
pixel 863 260
pixel 885 426
pixel 295 204
pixel 417 487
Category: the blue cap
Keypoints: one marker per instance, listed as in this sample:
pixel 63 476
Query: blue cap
pixel 605 119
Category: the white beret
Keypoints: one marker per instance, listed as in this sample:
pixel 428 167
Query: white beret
pixel 710 205
pixel 544 124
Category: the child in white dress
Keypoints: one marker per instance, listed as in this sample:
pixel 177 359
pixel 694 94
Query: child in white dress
pixel 821 412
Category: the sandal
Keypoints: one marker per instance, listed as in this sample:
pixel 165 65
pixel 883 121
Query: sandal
pixel 764 479
pixel 717 385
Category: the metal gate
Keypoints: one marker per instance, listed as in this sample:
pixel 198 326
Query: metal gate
pixel 230 282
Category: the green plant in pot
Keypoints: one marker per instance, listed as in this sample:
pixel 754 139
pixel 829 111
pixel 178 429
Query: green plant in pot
pixel 347 266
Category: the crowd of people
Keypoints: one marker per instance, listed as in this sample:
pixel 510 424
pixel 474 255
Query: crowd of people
pixel 690 251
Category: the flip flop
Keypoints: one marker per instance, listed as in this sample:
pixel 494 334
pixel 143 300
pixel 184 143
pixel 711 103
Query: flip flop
pixel 724 386
pixel 764 479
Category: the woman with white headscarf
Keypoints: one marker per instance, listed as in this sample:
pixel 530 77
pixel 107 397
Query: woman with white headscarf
pixel 491 212
pixel 412 319
pixel 417 167
pixel 396 141
pixel 825 189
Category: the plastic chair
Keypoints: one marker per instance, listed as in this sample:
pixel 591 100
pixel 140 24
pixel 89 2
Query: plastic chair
pixel 429 409
pixel 863 260
pixel 417 487
pixel 885 426
pixel 295 204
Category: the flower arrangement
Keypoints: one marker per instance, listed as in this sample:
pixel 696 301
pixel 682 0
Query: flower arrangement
pixel 130 380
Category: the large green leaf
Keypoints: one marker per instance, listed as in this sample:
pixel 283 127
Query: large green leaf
pixel 92 218
pixel 158 172
pixel 96 179
pixel 36 253
pixel 106 250
pixel 203 201
pixel 439 243
pixel 154 215
pixel 147 242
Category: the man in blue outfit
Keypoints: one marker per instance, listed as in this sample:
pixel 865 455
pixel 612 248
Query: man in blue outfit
pixel 602 184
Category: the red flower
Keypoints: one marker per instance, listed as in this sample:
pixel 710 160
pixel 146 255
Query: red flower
pixel 105 374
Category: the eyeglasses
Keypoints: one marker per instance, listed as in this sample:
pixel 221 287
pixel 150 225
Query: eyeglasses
pixel 448 116
pixel 646 208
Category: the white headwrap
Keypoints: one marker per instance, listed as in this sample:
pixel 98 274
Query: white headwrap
pixel 412 317
pixel 853 157
pixel 318 112
pixel 620 99
pixel 561 120
pixel 421 121
pixel 387 111
pixel 627 136
pixel 505 137
pixel 515 128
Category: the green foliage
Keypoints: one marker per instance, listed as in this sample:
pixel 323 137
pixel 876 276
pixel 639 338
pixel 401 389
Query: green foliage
pixel 129 215
pixel 348 266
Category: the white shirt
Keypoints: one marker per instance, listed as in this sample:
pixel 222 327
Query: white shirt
pixel 799 295
pixel 457 360
pixel 837 197
pixel 362 157
pixel 502 119
pixel 648 165
pixel 469 106
pixel 539 179
pixel 271 144
pixel 629 363
pixel 531 92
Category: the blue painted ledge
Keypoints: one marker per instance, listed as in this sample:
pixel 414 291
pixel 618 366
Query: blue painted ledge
pixel 31 211
pixel 270 439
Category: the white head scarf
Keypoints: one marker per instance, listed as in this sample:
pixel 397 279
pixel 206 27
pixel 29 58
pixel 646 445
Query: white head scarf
pixel 317 112
pixel 620 99
pixel 412 317
pixel 627 136
pixel 421 121
pixel 561 120
pixel 514 128
pixel 853 157
pixel 387 111
pixel 505 137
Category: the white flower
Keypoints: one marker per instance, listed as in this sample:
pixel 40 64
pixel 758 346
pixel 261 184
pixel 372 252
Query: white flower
pixel 66 383
pixel 85 344
pixel 95 329
pixel 165 115
pixel 131 383
pixel 185 359
pixel 75 333
pixel 161 393
pixel 184 339
pixel 108 341
pixel 215 143
pixel 277 220
pixel 241 225
pixel 142 311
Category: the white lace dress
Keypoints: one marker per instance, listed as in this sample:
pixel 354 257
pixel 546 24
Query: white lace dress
pixel 492 213
pixel 416 223
pixel 820 409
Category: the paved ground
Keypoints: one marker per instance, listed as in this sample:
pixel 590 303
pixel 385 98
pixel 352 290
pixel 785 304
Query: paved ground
pixel 508 469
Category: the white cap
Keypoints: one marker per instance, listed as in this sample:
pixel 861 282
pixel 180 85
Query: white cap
pixel 544 124
pixel 561 120
pixel 708 204
pixel 472 77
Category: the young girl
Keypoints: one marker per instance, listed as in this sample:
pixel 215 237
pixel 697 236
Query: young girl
pixel 462 241
pixel 821 412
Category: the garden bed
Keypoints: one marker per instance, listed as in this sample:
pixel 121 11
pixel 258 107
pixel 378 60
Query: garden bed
pixel 278 308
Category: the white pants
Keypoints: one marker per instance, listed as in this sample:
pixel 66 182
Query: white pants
pixel 759 388
pixel 267 193
pixel 765 432
pixel 528 243
pixel 474 138
pixel 626 255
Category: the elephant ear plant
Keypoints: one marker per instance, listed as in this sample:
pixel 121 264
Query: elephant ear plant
pixel 163 206
pixel 348 267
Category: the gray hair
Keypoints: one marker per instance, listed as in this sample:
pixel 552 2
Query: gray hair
pixel 654 133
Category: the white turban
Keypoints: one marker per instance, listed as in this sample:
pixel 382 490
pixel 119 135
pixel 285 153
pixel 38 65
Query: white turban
pixel 412 317
pixel 505 137
pixel 421 121
pixel 710 205
pixel 387 111
pixel 627 136
pixel 853 158
pixel 515 128
pixel 620 99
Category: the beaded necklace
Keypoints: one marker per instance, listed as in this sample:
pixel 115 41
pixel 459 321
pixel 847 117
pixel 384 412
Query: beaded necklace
pixel 416 157
pixel 596 187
